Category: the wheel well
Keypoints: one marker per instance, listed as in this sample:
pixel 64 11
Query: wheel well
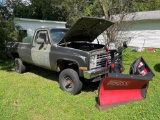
pixel 15 55
pixel 63 64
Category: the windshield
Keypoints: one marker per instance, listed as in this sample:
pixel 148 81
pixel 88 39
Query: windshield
pixel 57 35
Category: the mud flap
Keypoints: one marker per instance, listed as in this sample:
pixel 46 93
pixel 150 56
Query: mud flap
pixel 119 88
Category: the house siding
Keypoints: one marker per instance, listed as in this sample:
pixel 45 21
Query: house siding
pixel 144 33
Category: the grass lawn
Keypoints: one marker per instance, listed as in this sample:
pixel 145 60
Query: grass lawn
pixel 35 95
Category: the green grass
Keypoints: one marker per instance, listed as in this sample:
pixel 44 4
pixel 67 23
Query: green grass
pixel 35 95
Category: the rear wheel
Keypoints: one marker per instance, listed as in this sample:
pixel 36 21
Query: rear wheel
pixel 69 81
pixel 19 66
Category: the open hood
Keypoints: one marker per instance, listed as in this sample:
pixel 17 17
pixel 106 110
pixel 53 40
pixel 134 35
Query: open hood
pixel 86 29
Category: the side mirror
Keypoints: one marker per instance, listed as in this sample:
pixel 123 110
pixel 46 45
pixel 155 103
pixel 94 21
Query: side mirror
pixel 40 41
pixel 125 44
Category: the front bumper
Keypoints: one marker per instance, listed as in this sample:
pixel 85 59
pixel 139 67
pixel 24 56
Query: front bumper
pixel 94 73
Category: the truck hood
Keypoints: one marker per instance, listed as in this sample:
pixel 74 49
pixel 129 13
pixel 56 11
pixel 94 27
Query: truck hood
pixel 86 29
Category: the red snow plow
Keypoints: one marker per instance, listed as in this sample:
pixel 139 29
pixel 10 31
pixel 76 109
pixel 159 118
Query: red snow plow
pixel 117 88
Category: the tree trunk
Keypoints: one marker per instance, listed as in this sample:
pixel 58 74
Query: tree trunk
pixel 101 2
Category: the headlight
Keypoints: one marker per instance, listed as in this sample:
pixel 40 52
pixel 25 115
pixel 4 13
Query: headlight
pixel 93 61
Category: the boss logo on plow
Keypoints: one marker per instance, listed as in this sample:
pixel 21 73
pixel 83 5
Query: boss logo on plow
pixel 118 83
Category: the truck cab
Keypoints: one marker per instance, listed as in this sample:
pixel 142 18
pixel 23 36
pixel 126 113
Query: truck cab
pixel 68 51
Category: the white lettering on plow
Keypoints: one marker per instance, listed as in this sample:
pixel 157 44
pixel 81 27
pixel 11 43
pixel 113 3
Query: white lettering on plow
pixel 118 83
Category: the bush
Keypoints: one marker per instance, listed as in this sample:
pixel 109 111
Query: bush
pixel 7 29
pixel 7 32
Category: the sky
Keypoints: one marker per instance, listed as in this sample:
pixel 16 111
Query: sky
pixel 28 1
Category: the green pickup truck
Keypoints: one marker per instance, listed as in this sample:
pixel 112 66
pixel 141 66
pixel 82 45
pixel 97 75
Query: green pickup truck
pixel 68 51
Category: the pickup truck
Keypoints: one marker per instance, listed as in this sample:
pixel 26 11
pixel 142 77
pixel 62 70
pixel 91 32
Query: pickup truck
pixel 68 51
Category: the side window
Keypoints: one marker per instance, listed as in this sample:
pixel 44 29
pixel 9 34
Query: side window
pixel 43 35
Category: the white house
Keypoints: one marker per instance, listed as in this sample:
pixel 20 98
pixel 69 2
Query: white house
pixel 142 29
pixel 30 25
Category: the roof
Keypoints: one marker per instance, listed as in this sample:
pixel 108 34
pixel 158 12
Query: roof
pixel 137 16
pixel 36 20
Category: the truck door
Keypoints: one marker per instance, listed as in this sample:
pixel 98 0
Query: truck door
pixel 41 49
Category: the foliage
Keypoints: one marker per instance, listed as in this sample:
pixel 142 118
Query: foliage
pixel 70 11
pixel 146 5
pixel 57 10
pixel 76 9
pixel 40 9
pixel 7 30
pixel 111 8
pixel 36 95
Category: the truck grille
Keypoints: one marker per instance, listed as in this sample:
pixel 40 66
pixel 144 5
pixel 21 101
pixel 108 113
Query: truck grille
pixel 101 56
pixel 101 60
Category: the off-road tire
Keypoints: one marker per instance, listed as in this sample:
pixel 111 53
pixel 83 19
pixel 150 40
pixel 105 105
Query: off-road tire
pixel 69 81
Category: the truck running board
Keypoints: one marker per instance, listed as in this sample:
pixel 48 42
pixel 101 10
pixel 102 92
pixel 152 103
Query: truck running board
pixel 119 88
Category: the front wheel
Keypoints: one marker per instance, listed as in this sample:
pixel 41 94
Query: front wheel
pixel 69 81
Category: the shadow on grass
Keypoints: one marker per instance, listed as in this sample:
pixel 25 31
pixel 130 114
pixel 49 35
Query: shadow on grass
pixel 90 86
pixel 157 67
pixel 48 74
pixel 6 64
pixel 51 75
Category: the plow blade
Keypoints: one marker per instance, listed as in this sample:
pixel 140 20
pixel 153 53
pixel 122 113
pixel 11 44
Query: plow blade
pixel 119 88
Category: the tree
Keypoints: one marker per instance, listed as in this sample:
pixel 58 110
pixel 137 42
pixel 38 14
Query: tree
pixel 71 10
pixel 58 10
pixel 123 8
pixel 146 5
pixel 114 7
pixel 7 31
pixel 40 9
pixel 75 9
